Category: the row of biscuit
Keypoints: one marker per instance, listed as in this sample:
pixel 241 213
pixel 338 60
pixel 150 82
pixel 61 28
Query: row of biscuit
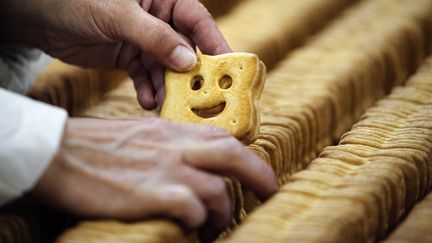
pixel 317 93
pixel 270 30
pixel 121 102
pixel 417 227
pixel 74 88
pixel 358 80
pixel 357 190
pixel 156 231
pixel 321 89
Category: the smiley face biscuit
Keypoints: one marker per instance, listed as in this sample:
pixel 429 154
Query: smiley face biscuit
pixel 221 90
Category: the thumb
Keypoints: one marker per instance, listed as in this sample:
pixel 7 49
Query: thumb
pixel 155 37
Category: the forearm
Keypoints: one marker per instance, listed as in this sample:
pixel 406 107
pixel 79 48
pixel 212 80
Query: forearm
pixel 31 133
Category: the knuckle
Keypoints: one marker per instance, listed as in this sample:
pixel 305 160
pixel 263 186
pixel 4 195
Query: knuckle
pixel 231 147
pixel 180 195
pixel 184 206
pixel 218 202
pixel 217 189
pixel 176 199
pixel 164 34
pixel 160 25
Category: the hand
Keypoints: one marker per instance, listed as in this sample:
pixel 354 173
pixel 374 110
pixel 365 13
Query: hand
pixel 128 34
pixel 134 169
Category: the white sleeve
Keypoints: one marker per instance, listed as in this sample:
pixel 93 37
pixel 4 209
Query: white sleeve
pixel 30 135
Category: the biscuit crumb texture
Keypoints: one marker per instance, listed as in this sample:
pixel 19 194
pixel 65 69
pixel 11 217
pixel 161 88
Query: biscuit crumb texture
pixel 221 90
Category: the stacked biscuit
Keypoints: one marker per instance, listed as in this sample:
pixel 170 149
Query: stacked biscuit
pixel 417 226
pixel 319 91
pixel 121 102
pixel 74 88
pixel 271 30
pixel 157 231
pixel 357 190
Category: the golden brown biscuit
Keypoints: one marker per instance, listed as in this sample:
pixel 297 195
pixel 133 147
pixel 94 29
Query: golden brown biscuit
pixel 221 90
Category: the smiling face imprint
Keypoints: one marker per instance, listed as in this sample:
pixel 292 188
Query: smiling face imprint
pixel 210 111
pixel 221 90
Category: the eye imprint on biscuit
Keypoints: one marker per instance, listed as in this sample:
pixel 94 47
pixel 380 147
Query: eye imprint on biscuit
pixel 225 82
pixel 197 82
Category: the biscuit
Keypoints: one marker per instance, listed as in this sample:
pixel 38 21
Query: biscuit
pixel 221 90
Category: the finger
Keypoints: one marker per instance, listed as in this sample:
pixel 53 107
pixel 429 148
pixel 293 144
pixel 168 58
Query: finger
pixel 157 38
pixel 160 96
pixel 157 77
pixel 127 53
pixel 212 191
pixel 192 19
pixel 142 83
pixel 177 201
pixel 158 80
pixel 228 157
pixel 162 10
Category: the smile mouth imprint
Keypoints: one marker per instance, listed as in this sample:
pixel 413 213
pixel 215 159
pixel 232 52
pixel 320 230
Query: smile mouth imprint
pixel 209 112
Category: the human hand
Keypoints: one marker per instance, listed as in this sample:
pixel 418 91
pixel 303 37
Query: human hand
pixel 140 36
pixel 131 169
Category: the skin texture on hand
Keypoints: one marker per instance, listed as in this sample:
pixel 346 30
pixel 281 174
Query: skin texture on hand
pixel 140 36
pixel 131 169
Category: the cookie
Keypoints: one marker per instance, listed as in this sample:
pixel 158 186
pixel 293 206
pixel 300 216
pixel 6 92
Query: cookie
pixel 221 90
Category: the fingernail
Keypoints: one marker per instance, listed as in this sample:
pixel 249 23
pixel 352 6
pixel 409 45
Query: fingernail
pixel 182 58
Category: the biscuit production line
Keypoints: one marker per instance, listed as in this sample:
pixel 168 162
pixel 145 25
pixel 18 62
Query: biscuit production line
pixel 345 123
